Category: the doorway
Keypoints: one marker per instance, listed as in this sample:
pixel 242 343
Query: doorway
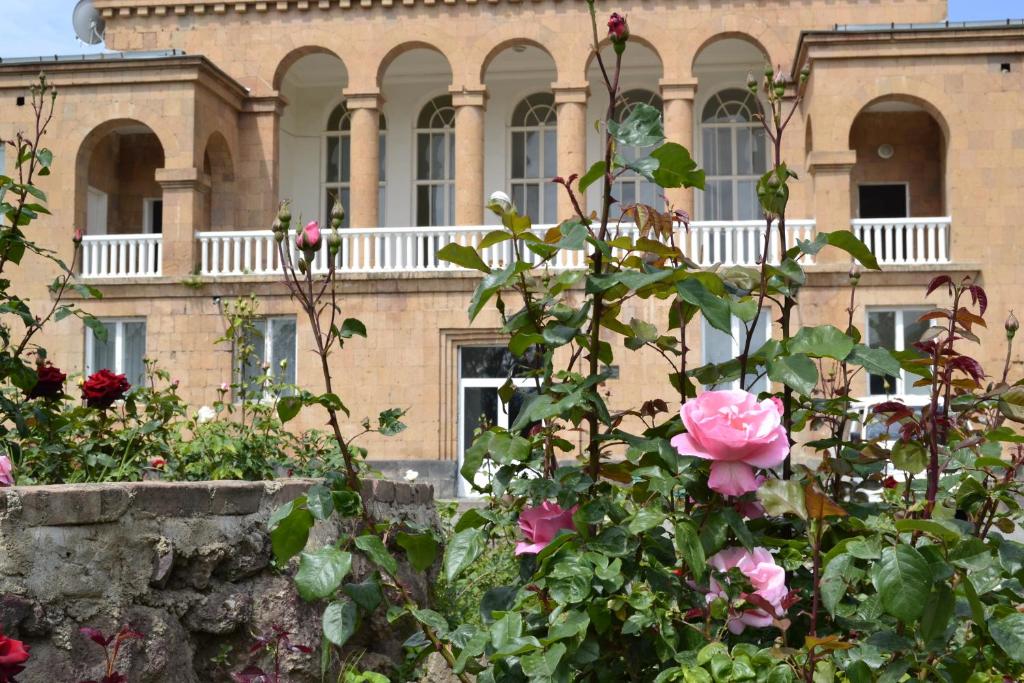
pixel 884 200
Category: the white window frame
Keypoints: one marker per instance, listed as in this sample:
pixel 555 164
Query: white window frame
pixel 448 182
pixel 327 187
pixel 906 197
pixel 541 181
pixel 90 343
pixel 147 213
pixel 898 336
pixel 738 336
pixel 734 126
pixel 268 349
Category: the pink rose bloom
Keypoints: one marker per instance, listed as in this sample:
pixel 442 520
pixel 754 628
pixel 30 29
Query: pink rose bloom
pixel 308 239
pixel 6 471
pixel 541 524
pixel 767 578
pixel 737 433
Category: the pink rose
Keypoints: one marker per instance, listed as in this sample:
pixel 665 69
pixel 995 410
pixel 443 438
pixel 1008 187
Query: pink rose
pixel 767 578
pixel 6 471
pixel 308 239
pixel 618 30
pixel 737 433
pixel 540 524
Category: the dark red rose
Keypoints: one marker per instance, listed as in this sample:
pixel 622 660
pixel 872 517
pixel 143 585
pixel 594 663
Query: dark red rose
pixel 103 388
pixel 890 482
pixel 49 382
pixel 13 653
pixel 618 31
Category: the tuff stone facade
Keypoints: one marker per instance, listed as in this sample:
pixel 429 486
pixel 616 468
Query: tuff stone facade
pixel 187 564
pixel 948 99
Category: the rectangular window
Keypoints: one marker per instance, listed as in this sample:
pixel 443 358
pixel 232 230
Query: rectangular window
pixel 153 216
pixel 895 329
pixel 273 344
pixel 719 347
pixel 123 352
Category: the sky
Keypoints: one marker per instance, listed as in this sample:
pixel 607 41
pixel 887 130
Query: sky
pixel 43 27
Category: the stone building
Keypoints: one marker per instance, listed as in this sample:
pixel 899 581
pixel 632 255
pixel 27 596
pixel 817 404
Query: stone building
pixel 173 152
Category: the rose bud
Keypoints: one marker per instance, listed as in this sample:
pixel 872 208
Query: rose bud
pixel 1011 325
pixel 805 74
pixel 308 240
pixel 77 236
pixel 284 215
pixel 618 31
pixel 854 274
pixel 333 242
pixel 337 214
pixel 890 482
pixel 500 203
pixel 751 83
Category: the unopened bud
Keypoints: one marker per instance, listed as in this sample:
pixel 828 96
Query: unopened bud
pixel 854 274
pixel 1011 325
pixel 805 74
pixel 769 71
pixel 284 215
pixel 333 243
pixel 76 237
pixel 751 83
pixel 618 31
pixel 302 265
pixel 337 214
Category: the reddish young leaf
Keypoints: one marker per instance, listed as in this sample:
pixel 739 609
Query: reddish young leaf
pixel 937 282
pixel 96 636
pixel 979 298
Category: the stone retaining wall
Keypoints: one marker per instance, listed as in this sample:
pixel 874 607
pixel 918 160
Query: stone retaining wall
pixel 188 564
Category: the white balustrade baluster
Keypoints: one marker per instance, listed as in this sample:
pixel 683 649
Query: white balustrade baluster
pixel 943 234
pixel 919 253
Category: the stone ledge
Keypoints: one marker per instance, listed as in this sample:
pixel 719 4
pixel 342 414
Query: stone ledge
pixel 78 504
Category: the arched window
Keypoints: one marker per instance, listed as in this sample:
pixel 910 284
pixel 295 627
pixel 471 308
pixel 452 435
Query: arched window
pixel 735 154
pixel 631 188
pixel 535 158
pixel 338 171
pixel 435 163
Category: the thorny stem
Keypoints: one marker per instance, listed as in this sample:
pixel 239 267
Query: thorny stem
pixel 932 490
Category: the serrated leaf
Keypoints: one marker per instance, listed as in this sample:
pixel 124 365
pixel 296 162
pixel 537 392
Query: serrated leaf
pixel 463 550
pixel 421 549
pixel 377 553
pixel 339 621
pixel 321 572
pixel 903 580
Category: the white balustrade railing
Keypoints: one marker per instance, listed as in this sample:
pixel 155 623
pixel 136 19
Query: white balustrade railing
pixel 403 250
pixel 122 256
pixel 905 241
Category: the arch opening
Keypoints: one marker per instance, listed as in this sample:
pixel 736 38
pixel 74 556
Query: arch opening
pixel 116 191
pixel 219 168
pixel 901 160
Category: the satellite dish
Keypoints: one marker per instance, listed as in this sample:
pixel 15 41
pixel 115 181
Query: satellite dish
pixel 89 24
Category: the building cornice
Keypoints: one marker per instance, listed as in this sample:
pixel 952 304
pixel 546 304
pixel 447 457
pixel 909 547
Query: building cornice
pixel 145 8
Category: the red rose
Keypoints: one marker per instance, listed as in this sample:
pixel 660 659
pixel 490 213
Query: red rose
pixel 13 653
pixel 49 382
pixel 890 482
pixel 618 31
pixel 103 388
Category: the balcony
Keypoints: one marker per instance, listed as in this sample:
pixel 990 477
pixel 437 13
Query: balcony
pixel 905 241
pixel 122 256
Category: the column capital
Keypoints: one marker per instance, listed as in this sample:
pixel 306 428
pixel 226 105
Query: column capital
pixel 678 88
pixel 570 93
pixel 840 161
pixel 468 97
pixel 362 100
pixel 183 179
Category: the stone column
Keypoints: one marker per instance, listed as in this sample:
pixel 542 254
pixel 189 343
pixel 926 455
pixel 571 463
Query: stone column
pixel 364 181
pixel 571 108
pixel 678 97
pixel 833 208
pixel 469 156
pixel 185 196
pixel 258 167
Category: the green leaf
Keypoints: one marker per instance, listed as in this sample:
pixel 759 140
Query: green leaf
pixel 460 255
pixel 492 283
pixel 796 371
pixel 835 581
pixel 350 327
pixel 903 580
pixel 541 666
pixel 848 242
pixel 645 519
pixel 320 501
pixel 940 530
pixel 824 341
pixel 641 128
pixel 494 237
pixel 420 548
pixel 1008 632
pixel 339 622
pixel 859 672
pixel 366 594
pixel 910 456
pixel 782 496
pixel 463 550
pixel 321 572
pixel 288 407
pixel 715 308
pixel 676 168
pixel 1011 404
pixel 739 527
pixel 374 549
pixel 689 546
pixel 876 361
pixel 937 613
pixel 593 174
pixel 288 535
pixel 435 621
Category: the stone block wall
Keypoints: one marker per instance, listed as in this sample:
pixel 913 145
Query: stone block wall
pixel 187 564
